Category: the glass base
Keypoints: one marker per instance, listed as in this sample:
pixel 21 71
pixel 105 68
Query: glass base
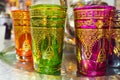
pixel 92 74
pixel 24 58
pixel 48 70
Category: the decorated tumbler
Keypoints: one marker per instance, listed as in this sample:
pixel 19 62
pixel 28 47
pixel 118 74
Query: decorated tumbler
pixel 47 24
pixel 92 29
pixel 22 33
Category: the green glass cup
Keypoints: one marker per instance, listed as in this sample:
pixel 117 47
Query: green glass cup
pixel 47 25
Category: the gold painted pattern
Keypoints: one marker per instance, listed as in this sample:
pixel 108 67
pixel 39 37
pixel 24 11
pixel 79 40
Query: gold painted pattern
pixel 20 14
pixel 102 53
pixel 98 23
pixel 88 14
pixel 92 13
pixel 116 36
pixel 21 18
pixel 39 35
pixel 22 22
pixel 19 31
pixel 50 13
pixel 88 37
pixel 101 56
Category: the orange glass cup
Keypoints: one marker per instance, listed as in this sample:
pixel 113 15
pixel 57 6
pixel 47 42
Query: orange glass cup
pixel 22 34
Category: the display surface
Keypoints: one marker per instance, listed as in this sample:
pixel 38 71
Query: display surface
pixel 11 69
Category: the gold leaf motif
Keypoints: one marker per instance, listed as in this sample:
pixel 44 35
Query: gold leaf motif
pixel 99 24
pixel 19 31
pixel 26 44
pixel 88 37
pixel 39 34
pixel 101 56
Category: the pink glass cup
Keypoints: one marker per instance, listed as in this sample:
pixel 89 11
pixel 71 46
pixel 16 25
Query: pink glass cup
pixel 92 29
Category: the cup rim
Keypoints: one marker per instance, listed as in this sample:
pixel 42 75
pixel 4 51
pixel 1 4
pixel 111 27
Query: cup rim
pixel 95 7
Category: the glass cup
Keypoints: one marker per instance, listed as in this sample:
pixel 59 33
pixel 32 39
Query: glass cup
pixel 114 56
pixel 92 29
pixel 22 34
pixel 47 24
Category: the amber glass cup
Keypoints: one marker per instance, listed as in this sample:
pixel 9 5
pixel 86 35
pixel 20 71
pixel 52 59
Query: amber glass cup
pixel 22 34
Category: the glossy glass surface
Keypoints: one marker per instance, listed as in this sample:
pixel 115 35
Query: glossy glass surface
pixel 22 33
pixel 92 27
pixel 47 25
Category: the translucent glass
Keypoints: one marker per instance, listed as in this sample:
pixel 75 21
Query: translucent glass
pixel 22 34
pixel 58 2
pixel 47 24
pixel 92 38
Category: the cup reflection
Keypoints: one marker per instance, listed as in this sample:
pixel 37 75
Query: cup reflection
pixel 25 66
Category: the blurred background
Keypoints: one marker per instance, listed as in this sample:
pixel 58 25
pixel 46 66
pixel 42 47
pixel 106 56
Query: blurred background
pixel 6 6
